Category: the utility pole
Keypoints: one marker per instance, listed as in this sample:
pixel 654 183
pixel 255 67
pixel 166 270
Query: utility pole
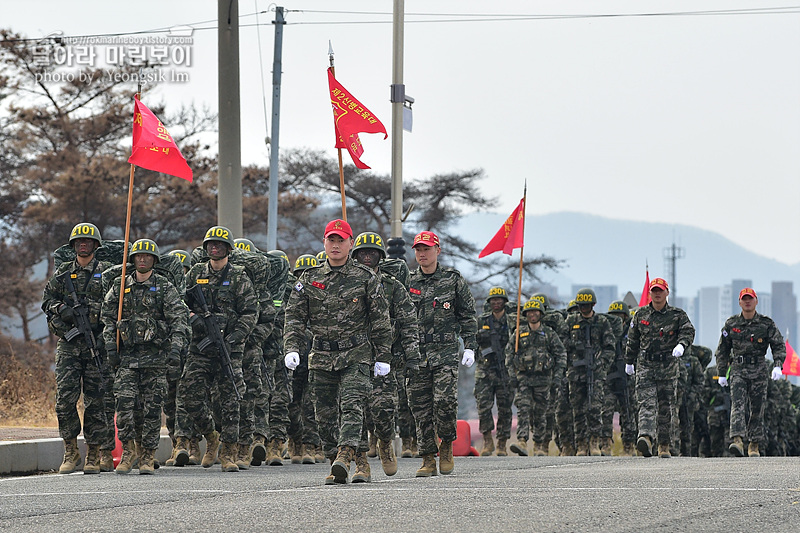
pixel 396 245
pixel 671 255
pixel 272 209
pixel 229 199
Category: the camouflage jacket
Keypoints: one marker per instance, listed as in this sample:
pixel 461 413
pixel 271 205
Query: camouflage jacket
pixel 743 345
pixel 601 344
pixel 691 379
pixel 89 287
pixel 405 329
pixel 557 323
pixel 653 334
pixel 502 328
pixel 718 399
pixel 445 310
pixel 347 312
pixel 540 351
pixel 230 296
pixel 154 323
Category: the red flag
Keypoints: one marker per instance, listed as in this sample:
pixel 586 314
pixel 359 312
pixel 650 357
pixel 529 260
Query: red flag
pixel 645 299
pixel 351 117
pixel 510 236
pixel 153 147
pixel 791 366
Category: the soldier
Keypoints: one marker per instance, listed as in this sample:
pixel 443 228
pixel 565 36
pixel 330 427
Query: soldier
pixel 141 346
pixel 690 394
pixel 718 400
pixel 445 311
pixel 369 251
pixel 590 351
pixel 343 305
pixel 231 299
pixel 619 386
pixel 491 375
pixel 658 336
pixel 76 371
pixel 540 359
pixel 700 436
pixel 740 354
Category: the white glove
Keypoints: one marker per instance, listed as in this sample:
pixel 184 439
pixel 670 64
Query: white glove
pixel 677 351
pixel 629 370
pixel 723 381
pixel 292 360
pixel 776 373
pixel 469 358
pixel 381 369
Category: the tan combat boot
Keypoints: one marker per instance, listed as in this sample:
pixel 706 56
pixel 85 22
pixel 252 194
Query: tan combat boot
pixel 171 460
pixel 414 447
pixel 388 457
pixel 663 451
pixel 128 454
pixel 295 452
pixel 147 461
pixel 330 479
pixel 138 451
pixel 307 457
pixel 594 447
pixel 106 461
pixel 212 449
pixel 242 456
pixel 645 446
pixel 446 463
pixel 627 449
pixel 319 457
pixel 539 449
pixel 488 445
pixel 277 448
pixel 341 465
pixel 362 473
pixel 92 464
pixel 567 450
pixel 72 457
pixel 195 457
pixel 373 445
pixel 583 448
pixel 259 451
pixel 501 447
pixel 405 452
pixel 752 450
pixel 605 447
pixel 737 447
pixel 520 447
pixel 227 457
pixel 182 456
pixel 428 467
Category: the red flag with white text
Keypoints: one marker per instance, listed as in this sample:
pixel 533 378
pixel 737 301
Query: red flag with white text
pixel 351 117
pixel 153 147
pixel 791 366
pixel 510 236
pixel 645 299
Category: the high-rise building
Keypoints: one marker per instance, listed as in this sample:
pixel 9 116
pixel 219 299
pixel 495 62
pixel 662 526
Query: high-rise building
pixel 784 308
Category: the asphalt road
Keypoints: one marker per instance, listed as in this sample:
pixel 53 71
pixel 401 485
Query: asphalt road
pixel 484 494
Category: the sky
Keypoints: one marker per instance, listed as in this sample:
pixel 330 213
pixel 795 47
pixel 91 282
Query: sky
pixel 680 115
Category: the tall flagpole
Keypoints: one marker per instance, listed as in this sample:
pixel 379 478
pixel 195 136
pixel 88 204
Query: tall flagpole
pixel 339 149
pixel 521 255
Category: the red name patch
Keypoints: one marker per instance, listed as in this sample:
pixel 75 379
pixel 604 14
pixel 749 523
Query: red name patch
pixel 318 285
pixel 736 330
pixel 645 322
pixel 412 290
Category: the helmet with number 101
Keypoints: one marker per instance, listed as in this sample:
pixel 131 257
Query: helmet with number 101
pixel 85 230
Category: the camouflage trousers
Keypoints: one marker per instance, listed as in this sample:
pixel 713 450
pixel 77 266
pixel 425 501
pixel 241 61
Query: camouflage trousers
pixel 700 436
pixel 405 417
pixel 279 403
pixel 656 392
pixel 587 412
pixel 201 375
pixel 686 426
pixel 302 419
pixel 551 428
pixel 170 405
pixel 488 386
pixel 746 388
pixel 77 373
pixel 433 393
pixel 532 398
pixel 339 397
pixel 254 384
pixel 380 409
pixel 623 403
pixel 140 391
pixel 565 423
pixel 719 431
pixel 261 403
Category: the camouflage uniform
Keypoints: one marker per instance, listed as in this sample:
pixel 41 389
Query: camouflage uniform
pixel 690 397
pixel 445 311
pixel 700 436
pixel 489 383
pixel 652 336
pixel 232 299
pixel 619 392
pixel 587 411
pixel 559 409
pixel 153 330
pixel 346 311
pixel 742 347
pixel 76 372
pixel 540 359
pixel 718 400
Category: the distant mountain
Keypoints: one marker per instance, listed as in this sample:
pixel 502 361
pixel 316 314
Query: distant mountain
pixel 605 251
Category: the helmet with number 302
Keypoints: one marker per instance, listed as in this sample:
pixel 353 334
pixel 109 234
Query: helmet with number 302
pixel 369 240
pixel 586 296
pixel 219 233
pixel 85 230
pixel 145 246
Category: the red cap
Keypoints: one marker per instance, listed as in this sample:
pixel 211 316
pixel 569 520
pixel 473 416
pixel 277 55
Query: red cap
pixel 747 291
pixel 426 238
pixel 338 227
pixel 661 283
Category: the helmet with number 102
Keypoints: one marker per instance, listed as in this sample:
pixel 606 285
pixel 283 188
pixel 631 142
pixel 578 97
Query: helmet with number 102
pixel 219 233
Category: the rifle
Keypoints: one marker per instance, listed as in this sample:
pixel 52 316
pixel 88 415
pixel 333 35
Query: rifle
pixel 588 357
pixel 213 334
pixel 266 372
pixel 496 349
pixel 83 327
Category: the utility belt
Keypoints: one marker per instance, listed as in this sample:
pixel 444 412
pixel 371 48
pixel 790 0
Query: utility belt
pixel 427 338
pixel 749 359
pixel 653 357
pixel 340 345
pixel 583 362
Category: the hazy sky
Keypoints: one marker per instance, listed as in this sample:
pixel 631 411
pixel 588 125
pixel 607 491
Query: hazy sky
pixel 690 118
